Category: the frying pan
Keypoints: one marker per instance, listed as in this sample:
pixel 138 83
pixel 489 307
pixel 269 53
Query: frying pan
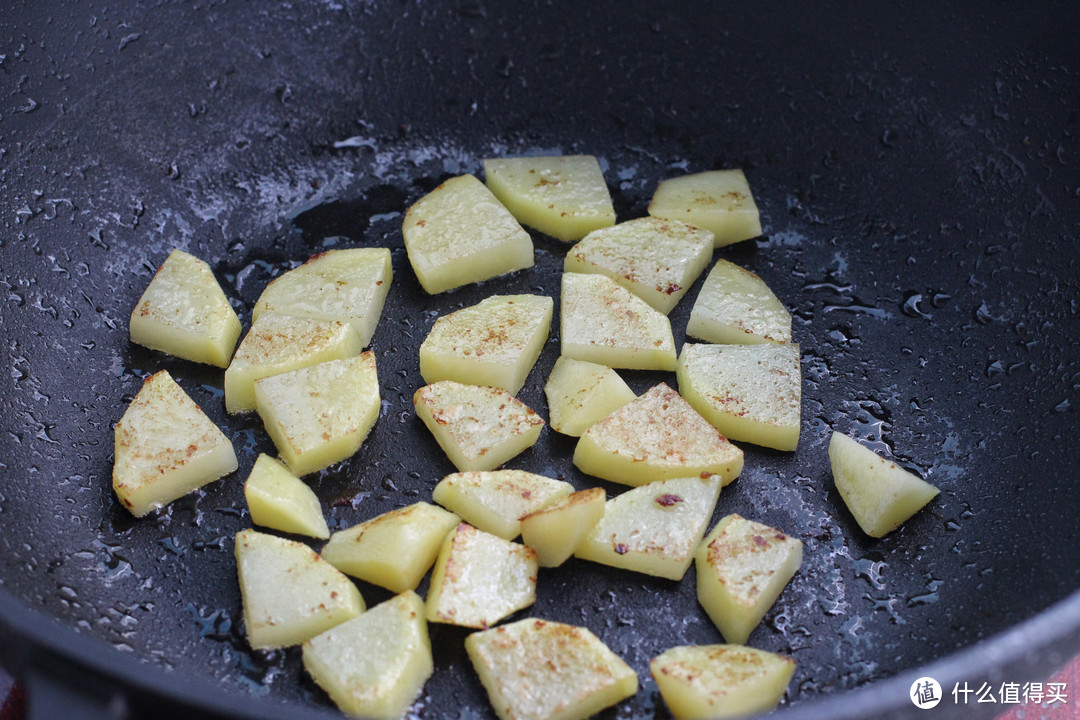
pixel 917 172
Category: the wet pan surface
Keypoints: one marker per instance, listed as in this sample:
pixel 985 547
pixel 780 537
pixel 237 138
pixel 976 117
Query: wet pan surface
pixel 917 174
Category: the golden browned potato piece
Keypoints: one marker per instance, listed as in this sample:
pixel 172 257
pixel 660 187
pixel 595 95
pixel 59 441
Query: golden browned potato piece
pixel 184 312
pixel 541 670
pixel 495 342
pixel 376 664
pixel 478 427
pixel 321 414
pixel 459 233
pixel 659 435
pixel 720 681
pixel 479 579
pixel 289 593
pixel 166 447
pixel 349 285
pixel 656 259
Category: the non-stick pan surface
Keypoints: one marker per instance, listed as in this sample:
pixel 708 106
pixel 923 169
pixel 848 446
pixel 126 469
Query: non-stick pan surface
pixel 917 173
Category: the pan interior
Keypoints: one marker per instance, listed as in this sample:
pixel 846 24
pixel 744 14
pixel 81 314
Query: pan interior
pixel 920 222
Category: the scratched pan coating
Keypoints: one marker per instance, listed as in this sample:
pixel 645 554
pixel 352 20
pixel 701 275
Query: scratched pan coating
pixel 917 175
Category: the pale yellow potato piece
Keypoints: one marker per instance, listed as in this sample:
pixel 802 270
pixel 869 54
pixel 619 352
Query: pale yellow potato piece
pixel 460 233
pixel 278 499
pixel 479 579
pixel 393 550
pixel 751 393
pixel 700 682
pixel 656 259
pixel 349 285
pixel 654 529
pixel 321 414
pixel 166 447
pixel 495 342
pixel 736 306
pixel 718 200
pixel 580 394
pixel 563 196
pixel 880 494
pixel 495 500
pixel 289 593
pixel 542 670
pixel 556 530
pixel 478 427
pixel 278 343
pixel 658 435
pixel 602 322
pixel 742 567
pixel 376 664
pixel 185 313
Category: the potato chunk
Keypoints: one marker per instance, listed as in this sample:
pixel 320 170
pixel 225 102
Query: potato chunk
pixel 562 196
pixel 376 664
pixel 459 233
pixel 166 447
pixel 658 435
pixel 748 392
pixel 580 394
pixel 321 414
pixel 654 529
pixel 278 499
pixel 184 312
pixel 479 428
pixel 604 323
pixel 736 306
pixel 289 593
pixel 719 201
pixel 741 569
pixel 349 285
pixel 479 579
pixel 542 670
pixel 720 681
pixel 656 259
pixel 493 501
pixel 880 494
pixel 495 342
pixel 556 530
pixel 393 550
pixel 278 343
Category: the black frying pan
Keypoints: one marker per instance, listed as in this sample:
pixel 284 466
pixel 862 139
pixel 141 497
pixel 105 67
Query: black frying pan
pixel 917 172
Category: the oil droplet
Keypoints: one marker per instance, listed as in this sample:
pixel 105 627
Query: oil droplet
pixel 931 594
pixel 112 564
pixel 871 570
pixel 172 545
pixel 213 624
pixel 983 316
pixel 912 306
pixel 888 605
pixel 873 312
pixel 215 393
pixel 217 543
